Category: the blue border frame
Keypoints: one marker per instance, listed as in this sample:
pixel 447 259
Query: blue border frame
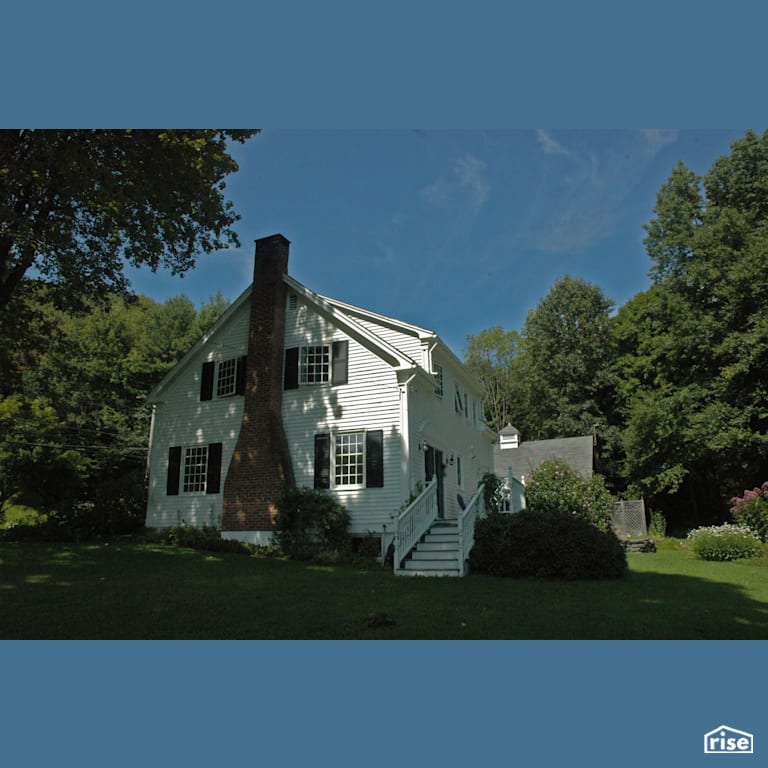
pixel 345 64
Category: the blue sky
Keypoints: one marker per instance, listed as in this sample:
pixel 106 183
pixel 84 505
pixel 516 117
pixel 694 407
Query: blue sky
pixel 453 230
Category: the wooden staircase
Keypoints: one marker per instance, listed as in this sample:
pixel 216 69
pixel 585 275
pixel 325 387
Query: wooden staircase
pixel 436 553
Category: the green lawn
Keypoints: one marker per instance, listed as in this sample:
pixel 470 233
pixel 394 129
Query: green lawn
pixel 144 591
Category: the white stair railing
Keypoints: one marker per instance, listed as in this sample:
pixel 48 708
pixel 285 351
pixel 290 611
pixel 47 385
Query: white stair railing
pixel 415 521
pixel 467 518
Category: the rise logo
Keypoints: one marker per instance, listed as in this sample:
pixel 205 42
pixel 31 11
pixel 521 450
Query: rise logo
pixel 728 741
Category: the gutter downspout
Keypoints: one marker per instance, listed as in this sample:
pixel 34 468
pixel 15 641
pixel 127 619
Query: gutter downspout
pixel 405 438
pixel 147 469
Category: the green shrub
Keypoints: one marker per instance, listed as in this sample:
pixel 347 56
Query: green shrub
pixel 81 521
pixel 657 526
pixel 554 486
pixel 492 491
pixel 116 507
pixel 311 524
pixel 724 542
pixel 751 510
pixel 546 545
pixel 207 539
pixel 366 547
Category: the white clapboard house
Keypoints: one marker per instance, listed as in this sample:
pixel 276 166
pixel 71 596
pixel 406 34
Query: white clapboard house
pixel 290 387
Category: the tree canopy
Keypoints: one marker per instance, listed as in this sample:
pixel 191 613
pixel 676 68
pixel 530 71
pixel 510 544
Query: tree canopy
pixel 76 206
pixel 569 356
pixel 677 378
pixel 73 424
pixel 492 356
pixel 694 347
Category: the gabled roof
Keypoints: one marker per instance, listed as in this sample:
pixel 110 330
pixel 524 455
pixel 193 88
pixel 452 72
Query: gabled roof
pixel 191 354
pixel 523 460
pixel 424 335
pixel 339 314
pixel 390 322
pixel 342 319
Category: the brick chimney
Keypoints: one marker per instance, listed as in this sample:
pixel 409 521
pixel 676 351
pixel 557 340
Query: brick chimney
pixel 261 464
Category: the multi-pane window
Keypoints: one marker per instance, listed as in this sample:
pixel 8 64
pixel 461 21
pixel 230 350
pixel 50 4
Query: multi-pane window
pixel 227 379
pixel 438 380
pixel 195 468
pixel 315 364
pixel 349 459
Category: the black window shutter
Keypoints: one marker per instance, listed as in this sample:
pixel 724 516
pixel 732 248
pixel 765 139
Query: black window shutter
pixel 374 459
pixel 213 477
pixel 174 470
pixel 206 381
pixel 322 461
pixel 340 365
pixel 240 375
pixel 291 377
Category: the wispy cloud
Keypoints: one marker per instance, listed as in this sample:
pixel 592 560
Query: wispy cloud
pixel 577 230
pixel 467 183
pixel 658 138
pixel 581 198
pixel 470 171
pixel 549 144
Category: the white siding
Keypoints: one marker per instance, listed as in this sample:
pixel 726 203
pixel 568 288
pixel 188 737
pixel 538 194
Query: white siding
pixel 181 419
pixel 405 342
pixel 369 401
pixel 434 420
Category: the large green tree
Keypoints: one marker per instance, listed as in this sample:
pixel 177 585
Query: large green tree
pixel 493 355
pixel 694 347
pixel 569 354
pixel 73 424
pixel 76 206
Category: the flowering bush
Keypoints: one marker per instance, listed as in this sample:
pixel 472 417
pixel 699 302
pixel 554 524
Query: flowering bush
pixel 751 510
pixel 555 486
pixel 724 542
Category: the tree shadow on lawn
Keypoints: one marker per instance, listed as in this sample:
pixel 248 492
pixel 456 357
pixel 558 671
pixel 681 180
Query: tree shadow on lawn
pixel 685 607
pixel 49 591
pixel 642 606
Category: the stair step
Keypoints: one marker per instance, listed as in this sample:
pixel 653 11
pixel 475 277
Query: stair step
pixel 442 555
pixel 436 554
pixel 427 564
pixel 438 546
pixel 422 572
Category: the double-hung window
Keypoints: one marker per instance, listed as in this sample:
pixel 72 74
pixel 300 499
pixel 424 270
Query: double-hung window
pixel 195 469
pixel 349 460
pixel 223 379
pixel 438 379
pixel 314 364
pixel 227 380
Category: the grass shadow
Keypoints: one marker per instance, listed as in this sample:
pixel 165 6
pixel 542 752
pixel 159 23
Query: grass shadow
pixel 146 591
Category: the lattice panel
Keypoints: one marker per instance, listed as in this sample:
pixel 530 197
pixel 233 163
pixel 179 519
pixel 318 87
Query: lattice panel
pixel 629 519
